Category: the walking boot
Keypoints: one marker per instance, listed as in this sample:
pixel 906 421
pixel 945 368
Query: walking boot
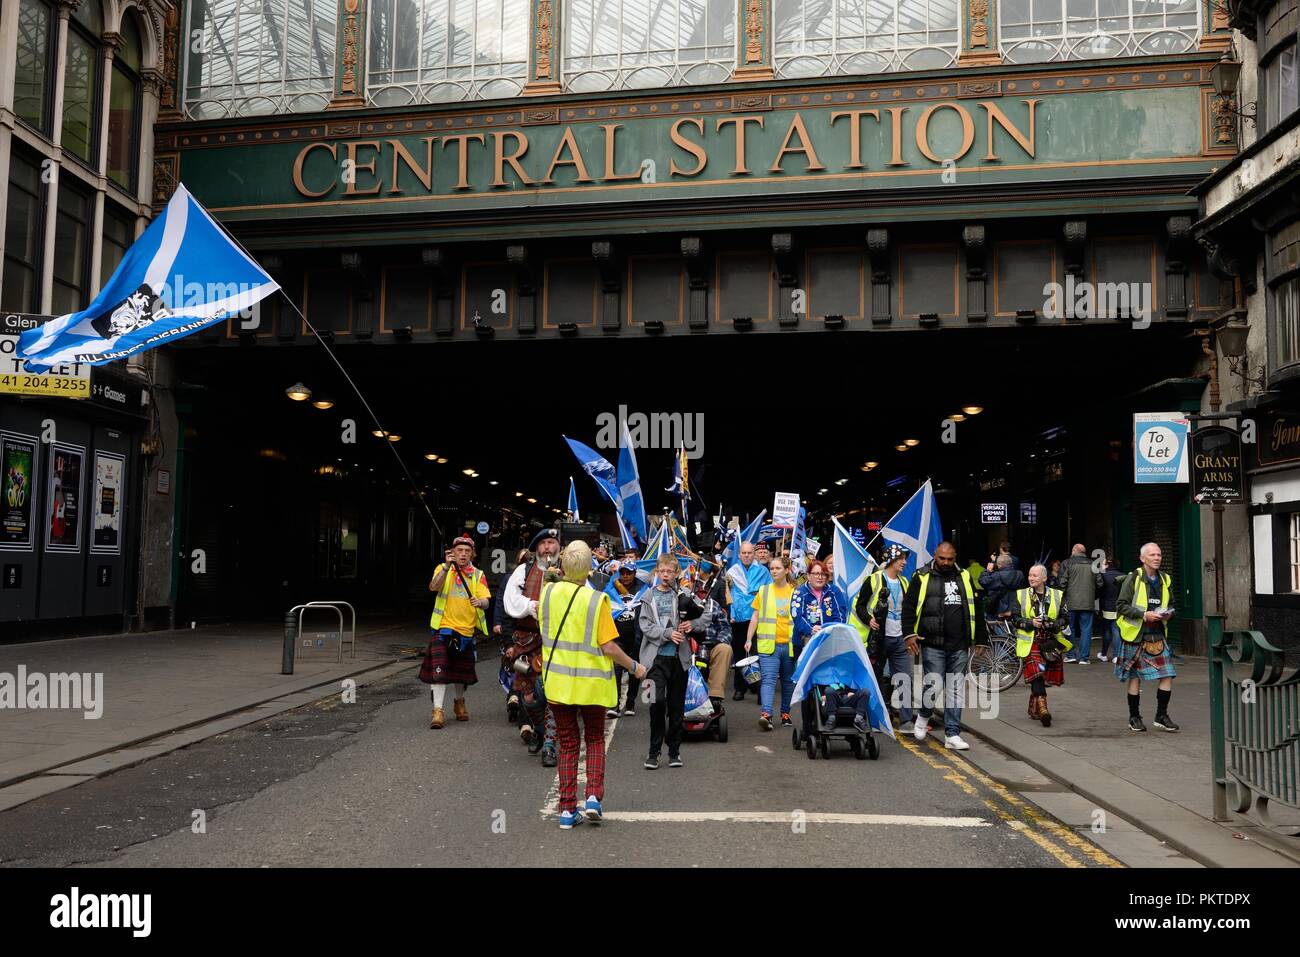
pixel 1035 707
pixel 437 721
pixel 462 712
pixel 1044 715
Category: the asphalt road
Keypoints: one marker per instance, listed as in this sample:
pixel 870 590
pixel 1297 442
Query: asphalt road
pixel 369 783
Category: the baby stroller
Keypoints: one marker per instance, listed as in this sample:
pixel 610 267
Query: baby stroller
pixel 835 657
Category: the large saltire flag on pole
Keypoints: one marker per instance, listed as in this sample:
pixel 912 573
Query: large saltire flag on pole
pixel 573 501
pixel 631 502
pixel 853 564
pixel 836 656
pixel 598 467
pixel 183 273
pixel 731 555
pixel 916 527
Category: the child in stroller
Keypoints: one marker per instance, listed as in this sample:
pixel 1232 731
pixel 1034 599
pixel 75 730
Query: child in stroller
pixel 835 711
pixel 834 686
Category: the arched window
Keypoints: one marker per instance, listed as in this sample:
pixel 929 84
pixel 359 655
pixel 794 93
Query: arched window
pixel 34 61
pixel 837 37
pixel 124 106
pixel 434 51
pixel 1035 31
pixel 81 82
pixel 256 57
pixel 633 44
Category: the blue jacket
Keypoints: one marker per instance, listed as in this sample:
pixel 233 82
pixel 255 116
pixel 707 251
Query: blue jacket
pixel 803 607
pixel 742 599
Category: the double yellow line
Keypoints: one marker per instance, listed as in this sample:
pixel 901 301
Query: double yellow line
pixel 1060 842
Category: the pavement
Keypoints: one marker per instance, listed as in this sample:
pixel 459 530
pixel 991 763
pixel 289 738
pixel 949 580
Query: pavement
pixel 168 691
pixel 1158 779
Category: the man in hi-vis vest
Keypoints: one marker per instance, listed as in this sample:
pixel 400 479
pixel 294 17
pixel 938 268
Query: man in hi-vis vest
pixel 1144 606
pixel 579 649
pixel 460 595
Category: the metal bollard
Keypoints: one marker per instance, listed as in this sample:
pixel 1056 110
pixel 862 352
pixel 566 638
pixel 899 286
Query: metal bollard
pixel 290 637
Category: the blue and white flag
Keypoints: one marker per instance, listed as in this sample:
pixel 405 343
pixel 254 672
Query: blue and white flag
pixel 799 543
pixel 836 656
pixel 629 542
pixel 916 527
pixel 632 504
pixel 731 554
pixel 676 488
pixel 573 501
pixel 852 563
pixel 598 467
pixel 182 274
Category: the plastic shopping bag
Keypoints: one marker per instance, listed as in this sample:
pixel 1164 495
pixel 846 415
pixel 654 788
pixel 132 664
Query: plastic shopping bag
pixel 698 705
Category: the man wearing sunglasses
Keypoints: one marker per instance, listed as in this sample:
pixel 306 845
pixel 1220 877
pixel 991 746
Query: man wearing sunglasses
pixel 939 616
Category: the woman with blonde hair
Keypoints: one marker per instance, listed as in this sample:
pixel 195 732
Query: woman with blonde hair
pixel 773 628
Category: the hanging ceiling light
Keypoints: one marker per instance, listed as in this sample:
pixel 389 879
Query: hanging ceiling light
pixel 394 438
pixel 957 417
pixel 494 482
pixel 442 460
pixel 323 402
pixel 298 392
pixel 519 494
pixel 872 465
pixel 901 448
pixel 972 409
pixel 911 443
pixel 430 456
pixel 843 481
pixel 378 433
pixel 532 501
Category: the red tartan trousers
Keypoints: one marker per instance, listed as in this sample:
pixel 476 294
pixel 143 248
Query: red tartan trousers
pixel 566 732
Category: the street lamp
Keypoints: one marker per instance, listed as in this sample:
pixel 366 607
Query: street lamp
pixel 298 392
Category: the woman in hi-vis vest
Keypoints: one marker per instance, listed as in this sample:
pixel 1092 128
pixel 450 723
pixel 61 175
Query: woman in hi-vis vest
pixel 771 629
pixel 579 649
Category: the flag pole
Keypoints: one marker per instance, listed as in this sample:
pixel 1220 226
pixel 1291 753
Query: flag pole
pixel 330 352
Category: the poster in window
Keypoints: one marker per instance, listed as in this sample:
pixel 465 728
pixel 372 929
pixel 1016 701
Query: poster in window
pixel 17 495
pixel 110 486
pixel 63 533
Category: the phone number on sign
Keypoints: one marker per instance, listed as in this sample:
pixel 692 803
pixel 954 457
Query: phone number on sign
pixel 44 384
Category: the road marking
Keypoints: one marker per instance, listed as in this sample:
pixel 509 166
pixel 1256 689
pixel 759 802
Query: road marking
pixel 762 748
pixel 1084 846
pixel 786 817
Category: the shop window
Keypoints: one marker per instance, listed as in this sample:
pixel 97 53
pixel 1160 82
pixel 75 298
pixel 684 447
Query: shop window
pixel 1035 31
pixel 630 44
pixel 436 51
pixel 827 37
pixel 24 237
pixel 34 63
pixel 1294 540
pixel 124 108
pixel 81 82
pixel 119 233
pixel 1279 87
pixel 1286 321
pixel 71 249
pixel 259 57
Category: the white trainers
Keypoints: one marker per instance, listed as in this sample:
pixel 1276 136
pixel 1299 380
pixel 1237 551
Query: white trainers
pixel 956 743
pixel 921 729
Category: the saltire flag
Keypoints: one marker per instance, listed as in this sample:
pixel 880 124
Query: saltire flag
pixel 677 486
pixel 182 274
pixel 731 555
pixel 852 563
pixel 629 542
pixel 916 527
pixel 618 603
pixel 631 502
pixel 598 467
pixel 836 656
pixel 573 500
pixel 770 533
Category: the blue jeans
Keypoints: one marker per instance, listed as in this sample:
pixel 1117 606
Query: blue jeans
pixel 1110 638
pixel 949 667
pixel 1081 633
pixel 779 664
pixel 898 690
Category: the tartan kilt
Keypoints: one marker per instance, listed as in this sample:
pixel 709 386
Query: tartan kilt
pixel 442 666
pixel 1133 662
pixel 1052 672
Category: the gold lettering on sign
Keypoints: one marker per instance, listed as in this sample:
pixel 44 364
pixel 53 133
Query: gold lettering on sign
pixel 754 31
pixel 740 168
pixel 1284 435
pixel 498 178
pixel 423 174
pixel 611 131
pixel 805 147
pixel 855 141
pixel 462 155
pixel 355 167
pixel 298 163
pixel 568 143
pixel 545 20
pixel 695 149
pixel 923 132
pixel 1027 141
pixel 896 134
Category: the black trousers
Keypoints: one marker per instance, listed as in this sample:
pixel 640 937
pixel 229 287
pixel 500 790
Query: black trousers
pixel 669 679
pixel 632 648
pixel 739 632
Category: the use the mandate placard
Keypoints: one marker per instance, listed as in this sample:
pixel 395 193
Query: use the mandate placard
pixel 71 381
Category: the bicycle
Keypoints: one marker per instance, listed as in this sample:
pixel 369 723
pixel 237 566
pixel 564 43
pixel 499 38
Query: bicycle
pixel 997 660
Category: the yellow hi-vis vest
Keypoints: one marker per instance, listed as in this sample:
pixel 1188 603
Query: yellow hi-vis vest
pixel 1025 636
pixel 766 631
pixel 920 600
pixel 1129 629
pixel 440 602
pixel 576 670
pixel 876 583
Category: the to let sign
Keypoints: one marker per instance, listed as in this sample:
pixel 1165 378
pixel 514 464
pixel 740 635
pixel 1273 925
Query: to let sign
pixel 69 381
pixel 1216 470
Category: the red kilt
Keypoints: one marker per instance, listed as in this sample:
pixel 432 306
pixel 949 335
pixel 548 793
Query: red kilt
pixel 1052 672
pixel 442 666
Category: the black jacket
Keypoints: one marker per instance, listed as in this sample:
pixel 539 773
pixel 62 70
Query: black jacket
pixel 929 628
pixel 1001 587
